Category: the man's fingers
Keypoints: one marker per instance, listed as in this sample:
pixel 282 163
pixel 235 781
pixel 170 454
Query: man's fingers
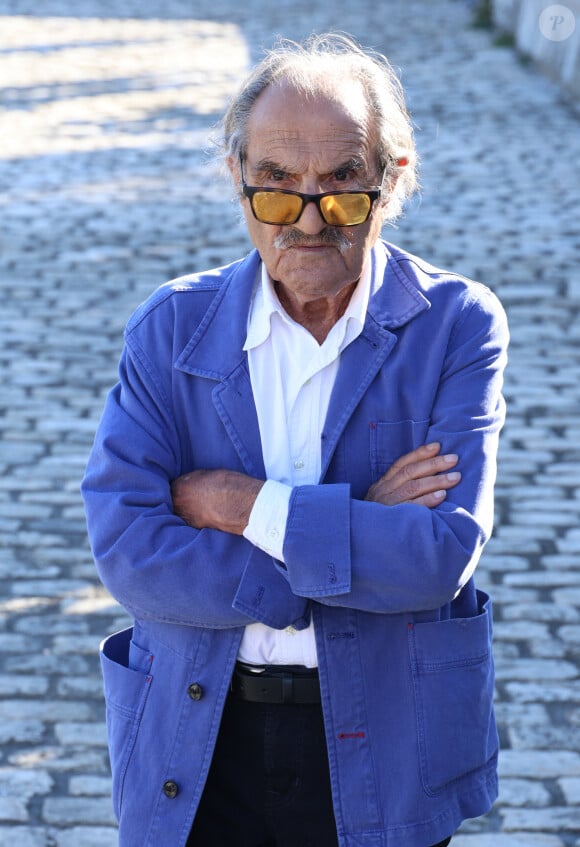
pixel 431 500
pixel 424 490
pixel 415 489
pixel 426 451
pixel 416 475
pixel 418 469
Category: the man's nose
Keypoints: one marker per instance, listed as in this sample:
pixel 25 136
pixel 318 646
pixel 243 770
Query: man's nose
pixel 310 221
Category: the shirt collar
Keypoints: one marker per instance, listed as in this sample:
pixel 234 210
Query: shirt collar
pixel 265 303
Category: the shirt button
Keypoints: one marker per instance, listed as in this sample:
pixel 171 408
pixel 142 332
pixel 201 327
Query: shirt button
pixel 170 789
pixel 290 630
pixel 273 533
pixel 298 465
pixel 195 691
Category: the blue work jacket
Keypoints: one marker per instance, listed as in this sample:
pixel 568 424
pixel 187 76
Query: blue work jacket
pixel 403 636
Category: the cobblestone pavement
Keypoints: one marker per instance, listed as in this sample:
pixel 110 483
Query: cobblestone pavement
pixel 105 192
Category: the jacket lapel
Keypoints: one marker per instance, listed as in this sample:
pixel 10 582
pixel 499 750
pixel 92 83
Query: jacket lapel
pixel 359 364
pixel 215 351
pixel 234 403
pixel 395 303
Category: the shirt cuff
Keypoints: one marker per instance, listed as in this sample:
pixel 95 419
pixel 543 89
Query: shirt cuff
pixel 266 528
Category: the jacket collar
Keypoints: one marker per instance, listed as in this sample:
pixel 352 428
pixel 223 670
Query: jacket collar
pixel 216 347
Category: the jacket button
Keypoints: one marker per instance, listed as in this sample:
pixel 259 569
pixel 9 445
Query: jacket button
pixel 195 691
pixel 170 789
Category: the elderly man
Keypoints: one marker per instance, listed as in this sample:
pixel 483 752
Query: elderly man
pixel 289 491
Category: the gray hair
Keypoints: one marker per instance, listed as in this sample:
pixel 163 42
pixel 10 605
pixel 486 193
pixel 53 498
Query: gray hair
pixel 320 63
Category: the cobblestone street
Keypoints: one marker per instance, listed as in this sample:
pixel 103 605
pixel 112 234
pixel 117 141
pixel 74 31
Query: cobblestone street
pixel 107 190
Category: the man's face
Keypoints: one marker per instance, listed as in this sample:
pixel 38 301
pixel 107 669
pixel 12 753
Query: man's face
pixel 312 146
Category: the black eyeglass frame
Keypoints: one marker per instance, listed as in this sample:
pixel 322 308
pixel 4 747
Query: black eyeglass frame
pixel 250 190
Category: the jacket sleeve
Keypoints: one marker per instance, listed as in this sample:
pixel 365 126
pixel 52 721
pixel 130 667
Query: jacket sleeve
pixel 349 552
pixel 154 564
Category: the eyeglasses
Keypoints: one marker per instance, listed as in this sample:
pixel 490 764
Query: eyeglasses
pixel 279 206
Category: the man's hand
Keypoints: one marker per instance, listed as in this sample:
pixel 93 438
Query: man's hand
pixel 422 477
pixel 217 499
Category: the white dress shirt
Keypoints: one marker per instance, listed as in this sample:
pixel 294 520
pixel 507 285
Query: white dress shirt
pixel 292 379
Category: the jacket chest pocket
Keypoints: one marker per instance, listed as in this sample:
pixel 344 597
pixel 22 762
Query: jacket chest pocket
pixel 389 440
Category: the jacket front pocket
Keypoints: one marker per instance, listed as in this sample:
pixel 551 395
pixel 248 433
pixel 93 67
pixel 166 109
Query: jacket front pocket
pixel 126 692
pixel 453 677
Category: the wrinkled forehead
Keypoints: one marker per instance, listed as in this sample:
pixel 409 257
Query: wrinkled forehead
pixel 321 117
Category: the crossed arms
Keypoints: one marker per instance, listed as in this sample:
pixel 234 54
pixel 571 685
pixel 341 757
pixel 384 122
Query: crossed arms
pixel 170 547
pixel 223 499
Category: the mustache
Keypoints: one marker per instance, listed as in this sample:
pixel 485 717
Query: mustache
pixel 328 237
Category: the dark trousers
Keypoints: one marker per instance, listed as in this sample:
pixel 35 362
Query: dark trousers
pixel 268 784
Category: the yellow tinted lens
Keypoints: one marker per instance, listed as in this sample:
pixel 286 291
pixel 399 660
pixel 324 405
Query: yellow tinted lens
pixel 345 209
pixel 271 207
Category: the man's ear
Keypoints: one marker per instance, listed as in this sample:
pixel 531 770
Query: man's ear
pixel 388 189
pixel 233 164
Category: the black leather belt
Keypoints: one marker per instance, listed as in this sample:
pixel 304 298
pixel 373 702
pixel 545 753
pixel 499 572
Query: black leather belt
pixel 276 684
